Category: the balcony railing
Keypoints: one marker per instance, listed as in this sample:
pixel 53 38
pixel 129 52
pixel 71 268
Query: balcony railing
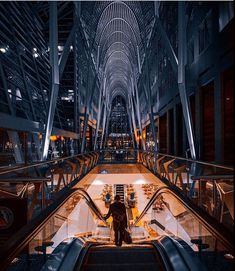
pixel 208 186
pixel 118 156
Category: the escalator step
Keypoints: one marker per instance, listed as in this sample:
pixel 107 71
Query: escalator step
pixel 196 241
pixel 130 257
pixel 122 267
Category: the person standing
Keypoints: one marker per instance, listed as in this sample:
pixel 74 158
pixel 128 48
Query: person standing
pixel 118 212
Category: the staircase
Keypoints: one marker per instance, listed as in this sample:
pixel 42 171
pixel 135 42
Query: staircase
pixel 127 258
pixel 119 190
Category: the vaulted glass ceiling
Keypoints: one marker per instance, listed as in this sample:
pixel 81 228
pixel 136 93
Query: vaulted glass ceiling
pixel 118 34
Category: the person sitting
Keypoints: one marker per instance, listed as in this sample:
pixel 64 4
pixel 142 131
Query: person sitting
pixel 131 200
pixel 118 211
pixel 107 200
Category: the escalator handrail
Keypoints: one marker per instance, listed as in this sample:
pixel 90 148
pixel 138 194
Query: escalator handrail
pixel 218 230
pixel 92 205
pixel 83 255
pixel 90 200
pixel 17 242
pixel 169 252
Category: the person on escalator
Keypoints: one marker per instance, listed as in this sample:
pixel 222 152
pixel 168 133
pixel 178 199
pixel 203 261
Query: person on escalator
pixel 118 211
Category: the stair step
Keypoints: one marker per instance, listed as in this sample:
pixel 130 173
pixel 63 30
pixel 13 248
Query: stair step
pixel 121 256
pixel 120 267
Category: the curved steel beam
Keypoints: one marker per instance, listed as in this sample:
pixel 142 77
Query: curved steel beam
pixel 121 44
pixel 129 9
pixel 113 20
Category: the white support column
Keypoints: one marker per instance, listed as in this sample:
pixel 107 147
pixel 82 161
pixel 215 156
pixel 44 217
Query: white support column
pixel 106 126
pixel 53 35
pixel 138 58
pixel 64 56
pixel 77 79
pixel 170 51
pixel 103 125
pixel 138 115
pixel 98 119
pixel 181 76
pixel 84 129
pixel 98 59
pixel 133 121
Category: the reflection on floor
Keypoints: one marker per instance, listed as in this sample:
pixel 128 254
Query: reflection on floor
pixel 166 216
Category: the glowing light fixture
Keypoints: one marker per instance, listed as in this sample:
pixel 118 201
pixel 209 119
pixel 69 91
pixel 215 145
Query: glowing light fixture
pixel 35 53
pixel 53 137
pixel 98 182
pixel 140 181
pixel 4 49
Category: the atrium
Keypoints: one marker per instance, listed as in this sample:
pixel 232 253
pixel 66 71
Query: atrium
pixel 107 98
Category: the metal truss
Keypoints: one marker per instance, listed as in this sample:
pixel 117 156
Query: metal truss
pixel 111 47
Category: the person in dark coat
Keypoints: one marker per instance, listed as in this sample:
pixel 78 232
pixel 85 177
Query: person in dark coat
pixel 118 211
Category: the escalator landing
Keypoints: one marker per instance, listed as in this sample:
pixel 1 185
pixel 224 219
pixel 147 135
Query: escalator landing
pixel 126 258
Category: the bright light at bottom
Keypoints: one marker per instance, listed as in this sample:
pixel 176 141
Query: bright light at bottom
pixel 140 181
pixel 98 182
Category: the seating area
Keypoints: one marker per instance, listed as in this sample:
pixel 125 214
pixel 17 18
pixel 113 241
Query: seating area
pixel 149 189
pixel 107 195
pixel 131 196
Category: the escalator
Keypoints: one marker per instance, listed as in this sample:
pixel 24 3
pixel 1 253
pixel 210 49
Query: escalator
pixel 163 254
pixel 107 258
pixel 92 248
pixel 119 190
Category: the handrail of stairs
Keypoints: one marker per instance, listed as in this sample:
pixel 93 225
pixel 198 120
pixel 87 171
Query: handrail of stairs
pixel 216 229
pixel 16 243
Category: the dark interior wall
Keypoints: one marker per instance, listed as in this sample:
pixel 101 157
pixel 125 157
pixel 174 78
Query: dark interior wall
pixel 228 116
pixel 163 133
pixel 208 140
pixel 179 135
pixel 171 131
pixel 192 107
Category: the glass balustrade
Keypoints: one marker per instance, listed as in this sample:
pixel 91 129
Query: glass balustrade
pixel 208 186
pixel 78 217
pixel 167 215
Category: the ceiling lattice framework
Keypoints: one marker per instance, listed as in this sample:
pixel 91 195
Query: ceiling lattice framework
pixel 118 34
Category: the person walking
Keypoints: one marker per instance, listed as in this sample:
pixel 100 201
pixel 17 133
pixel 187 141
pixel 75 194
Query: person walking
pixel 118 211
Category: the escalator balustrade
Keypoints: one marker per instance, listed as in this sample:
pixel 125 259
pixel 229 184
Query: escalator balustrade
pixel 89 251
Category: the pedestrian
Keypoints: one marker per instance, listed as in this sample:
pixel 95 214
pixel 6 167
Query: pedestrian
pixel 118 211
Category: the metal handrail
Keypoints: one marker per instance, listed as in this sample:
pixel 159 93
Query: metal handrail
pixel 25 180
pixel 192 161
pixel 93 205
pixel 16 243
pixel 213 177
pixel 43 163
pixel 208 222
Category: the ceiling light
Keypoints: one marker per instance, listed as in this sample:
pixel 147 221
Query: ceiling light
pixel 3 50
pixel 98 182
